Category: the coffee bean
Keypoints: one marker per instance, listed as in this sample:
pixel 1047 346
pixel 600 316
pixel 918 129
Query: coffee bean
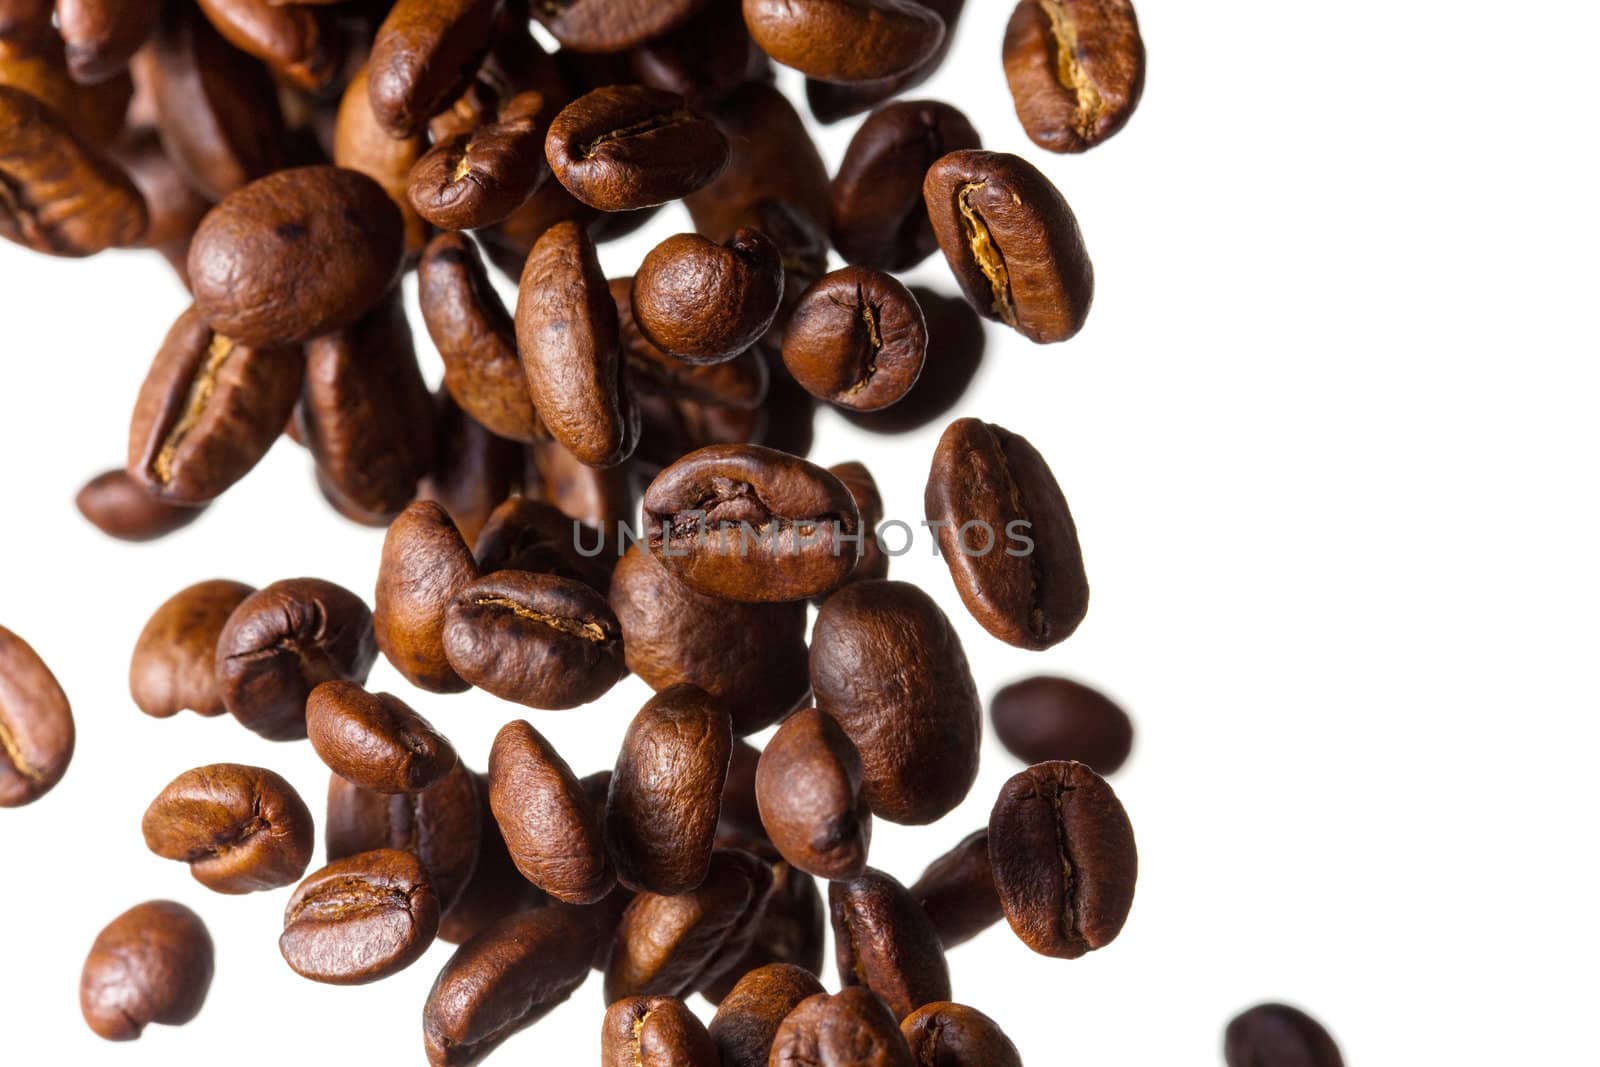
pixel 790 930
pixel 1064 859
pixel 473 470
pixel 423 55
pixel 598 498
pixel 666 791
pixel 360 919
pixel 151 964
pixel 703 60
pixel 956 343
pixel 530 535
pixel 173 206
pixel 705 302
pixel 101 35
pixel 374 740
pixel 740 815
pixel 832 101
pixel 808 785
pixel 121 507
pixel 302 44
pixel 549 825
pixel 1012 242
pixel 1046 718
pixel 503 981
pixel 425 564
pixel 748 1018
pixel 175 659
pixel 874 562
pixel 34 60
pixel 626 147
pixel 857 338
pixel 889 668
pixel 281 643
pixel 878 217
pixel 845 40
pixel 296 254
pixel 611 25
pixel 534 639
pixel 1277 1035
pixel 851 1028
pixel 957 891
pixel 36 730
pixel 1007 535
pixel 362 143
pixel 496 888
pixel 1076 69
pixel 943 1034
pixel 240 829
pixel 479 178
pixel 655 1032
pixel 885 941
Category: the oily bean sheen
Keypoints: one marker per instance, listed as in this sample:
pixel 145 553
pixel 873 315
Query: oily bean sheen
pixel 655 1032
pixel 360 919
pixel 302 44
pixel 611 25
pixel 1007 535
pixel 808 786
pixel 175 659
pixel 845 40
pixel 625 147
pixel 534 639
pixel 503 981
pixel 666 792
pixel 888 666
pixel 1076 70
pixel 1045 718
pixel 496 888
pixel 425 563
pixel 852 1028
pixel 120 506
pixel 298 253
pixel 1277 1035
pixel 886 942
pixel 479 178
pixel 281 643
pixel 874 562
pixel 704 302
pixel 1064 859
pixel 151 964
pixel 566 331
pixel 548 823
pixel 957 891
pixel 832 101
pixel 36 730
pixel 374 740
pixel 752 524
pixel 361 143
pixel 878 218
pixel 1012 242
pixel 857 338
pixel 423 55
pixel 102 35
pixel 748 1018
pixel 240 829
pixel 943 1034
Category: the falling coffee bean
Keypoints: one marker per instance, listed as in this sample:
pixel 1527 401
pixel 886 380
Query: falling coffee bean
pixel 1046 718
pixel 374 740
pixel 240 829
pixel 36 731
pixel 151 964
pixel 360 919
pixel 1076 70
pixel 175 659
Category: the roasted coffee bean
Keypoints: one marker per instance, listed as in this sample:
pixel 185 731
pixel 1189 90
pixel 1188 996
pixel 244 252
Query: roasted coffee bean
pixel 666 792
pixel 1007 535
pixel 882 939
pixel 473 470
pixel 476 338
pixel 943 1034
pixel 808 785
pixel 36 729
pixel 549 825
pixel 425 564
pixel 302 43
pixel 956 343
pixel 739 383
pixel 1046 718
pixel 874 562
pixel 791 930
pixel 151 964
pixel 852 1028
pixel 423 56
pixel 607 914
pixel 374 740
pixel 703 60
pixel 752 524
pixel 626 147
pixel 496 888
pixel 360 919
pixel 35 62
pixel 567 336
pixel 1076 69
pixel 604 26
pixel 1276 1035
pixel 503 981
pixel 878 216
pixel 173 206
pixel 740 815
pixel 362 143
pixel 284 641
pixel 240 829
pixel 120 506
pixel 704 302
pixel 297 254
pixel 845 40
pixel 1012 243
pixel 771 157
pixel 888 666
pixel 655 1032
pixel 175 659
pixel 748 1018
pixel 1064 859
pixel 441 826
pixel 101 35
pixel 832 101
pixel 857 338
pixel 59 195
pixel 479 178
pixel 534 639
pixel 530 535
pixel 595 497
pixel 957 891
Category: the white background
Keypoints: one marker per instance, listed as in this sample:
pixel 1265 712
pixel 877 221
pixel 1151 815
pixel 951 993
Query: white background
pixel 1329 437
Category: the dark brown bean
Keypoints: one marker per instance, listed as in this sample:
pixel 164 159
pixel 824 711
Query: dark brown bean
pixel 479 178
pixel 35 61
pixel 748 1018
pixel 740 816
pixel 956 343
pixel 530 535
pixel 703 60
pixel 857 338
pixel 852 1028
pixel 36 730
pixel 611 25
pixel 425 564
pixel 174 663
pixel 362 143
pixel 739 383
pixel 885 941
pixel 808 785
pixel 120 506
pixel 832 101
pixel 360 919
pixel 301 43
pixel 957 891
pixel 845 40
pixel 791 930
pixel 151 964
pixel 101 35
pixel 874 562
pixel 655 1032
pixel 1046 718
pixel 943 1034
pixel 704 302
pixel 423 55
pixel 1076 70
pixel 374 740
pixel 496 888
pixel 174 207
pixel 597 498
pixel 473 471
pixel 549 826
pixel 240 829
pixel 1277 1035
pixel 625 147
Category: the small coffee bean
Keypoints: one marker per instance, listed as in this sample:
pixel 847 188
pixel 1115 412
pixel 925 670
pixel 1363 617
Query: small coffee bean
pixel 703 60
pixel 120 506
pixel 479 178
pixel 705 302
pixel 1064 859
pixel 240 829
pixel 530 535
pixel 281 643
pixel 605 26
pixel 748 1018
pixel 151 964
pixel 857 338
pixel 626 147
pixel 534 639
pixel 808 785
pixel 1277 1035
pixel 655 1032
pixel 301 43
pixel 878 218
pixel 423 55
pixel 362 143
pixel 36 729
pixel 496 888
pixel 1076 69
pixel 666 792
pixel 874 562
pixel 832 101
pixel 1012 243
pixel 851 1028
pixel 956 343
pixel 739 383
pixel 1007 535
pixel 297 254
pixel 888 667
pixel 1045 718
pixel 771 157
pixel 549 825
pixel 885 941
pixel 943 1034
pixel 425 564
pixel 374 740
pixel 360 919
pixel 791 930
pixel 845 40
pixel 957 891
pixel 175 659
pixel 101 35
pixel 474 469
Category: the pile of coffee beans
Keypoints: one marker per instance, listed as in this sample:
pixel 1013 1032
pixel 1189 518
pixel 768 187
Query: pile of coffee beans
pixel 610 480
